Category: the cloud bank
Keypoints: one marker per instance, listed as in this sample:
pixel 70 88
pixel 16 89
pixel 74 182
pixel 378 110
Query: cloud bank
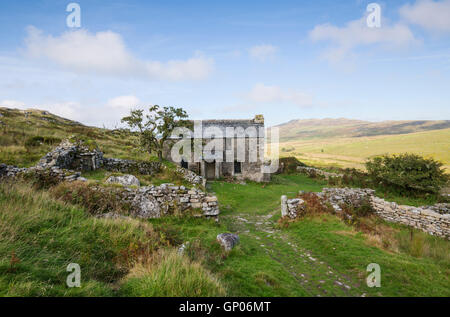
pixel 261 93
pixel 428 14
pixel 104 53
pixel 357 34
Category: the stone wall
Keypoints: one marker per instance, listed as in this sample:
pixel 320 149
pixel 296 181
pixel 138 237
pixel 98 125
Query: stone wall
pixel 158 201
pixel 418 217
pixel 73 156
pixel 311 171
pixel 79 157
pixel 128 166
pixel 8 171
pixel 191 177
pixel 431 219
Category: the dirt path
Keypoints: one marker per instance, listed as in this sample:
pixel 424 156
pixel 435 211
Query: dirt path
pixel 316 277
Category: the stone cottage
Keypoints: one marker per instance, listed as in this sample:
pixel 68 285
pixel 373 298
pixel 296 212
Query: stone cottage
pixel 222 148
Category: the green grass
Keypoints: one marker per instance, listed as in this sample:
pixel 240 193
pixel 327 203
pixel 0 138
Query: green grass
pixel 402 274
pixel 45 235
pixel 171 276
pixel 260 198
pixel 352 152
pixel 40 236
pixel 266 266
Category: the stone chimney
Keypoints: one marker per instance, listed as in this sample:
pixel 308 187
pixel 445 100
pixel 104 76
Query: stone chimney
pixel 259 118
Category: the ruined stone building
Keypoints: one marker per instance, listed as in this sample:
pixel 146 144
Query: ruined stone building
pixel 223 148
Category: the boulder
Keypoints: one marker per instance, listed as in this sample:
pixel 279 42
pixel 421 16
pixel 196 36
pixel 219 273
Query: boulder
pixel 125 180
pixel 228 240
pixel 146 207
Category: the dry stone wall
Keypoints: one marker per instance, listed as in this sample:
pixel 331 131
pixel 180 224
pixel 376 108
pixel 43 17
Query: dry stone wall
pixel 128 166
pixel 191 177
pixel 9 171
pixel 311 171
pixel 434 220
pixel 73 156
pixel 422 218
pixel 145 202
pixel 158 201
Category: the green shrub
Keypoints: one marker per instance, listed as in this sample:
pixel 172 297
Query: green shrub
pixel 407 172
pixel 289 164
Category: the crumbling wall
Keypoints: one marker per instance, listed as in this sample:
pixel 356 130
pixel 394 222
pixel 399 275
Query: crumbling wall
pixel 434 220
pixel 158 201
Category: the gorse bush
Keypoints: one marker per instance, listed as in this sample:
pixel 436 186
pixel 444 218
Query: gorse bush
pixel 407 172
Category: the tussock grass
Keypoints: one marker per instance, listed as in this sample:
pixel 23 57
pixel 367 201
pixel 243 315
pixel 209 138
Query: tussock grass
pixel 40 236
pixel 173 275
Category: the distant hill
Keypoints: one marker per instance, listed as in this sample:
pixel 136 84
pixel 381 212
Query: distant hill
pixel 348 128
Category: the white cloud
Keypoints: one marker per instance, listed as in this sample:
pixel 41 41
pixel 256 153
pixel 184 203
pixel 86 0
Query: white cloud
pixel 119 107
pixel 14 104
pixel 261 93
pixel 357 34
pixel 105 53
pixel 126 102
pixel 431 15
pixel 263 52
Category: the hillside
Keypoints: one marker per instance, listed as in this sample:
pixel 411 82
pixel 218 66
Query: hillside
pixel 352 152
pixel 26 135
pixel 348 143
pixel 347 128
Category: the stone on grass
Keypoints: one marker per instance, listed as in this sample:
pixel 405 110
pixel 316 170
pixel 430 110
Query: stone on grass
pixel 125 180
pixel 228 240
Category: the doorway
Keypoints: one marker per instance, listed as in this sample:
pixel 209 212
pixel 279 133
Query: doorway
pixel 210 170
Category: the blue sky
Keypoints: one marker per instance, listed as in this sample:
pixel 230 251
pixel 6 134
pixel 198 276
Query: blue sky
pixel 228 59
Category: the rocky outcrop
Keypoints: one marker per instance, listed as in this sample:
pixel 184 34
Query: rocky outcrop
pixel 228 240
pixel 431 219
pixel 125 180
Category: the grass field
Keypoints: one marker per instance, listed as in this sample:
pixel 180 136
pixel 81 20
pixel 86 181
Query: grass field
pixel 316 256
pixel 352 152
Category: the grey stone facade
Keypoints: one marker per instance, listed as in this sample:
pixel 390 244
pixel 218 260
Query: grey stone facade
pixel 241 156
